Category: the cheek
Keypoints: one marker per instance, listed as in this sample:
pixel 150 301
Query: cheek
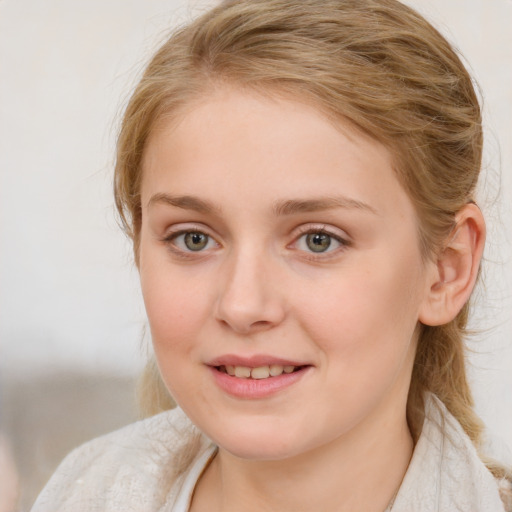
pixel 173 312
pixel 364 329
pixel 369 312
pixel 174 304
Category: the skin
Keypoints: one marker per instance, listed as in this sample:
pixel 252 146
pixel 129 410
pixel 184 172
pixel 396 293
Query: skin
pixel 337 439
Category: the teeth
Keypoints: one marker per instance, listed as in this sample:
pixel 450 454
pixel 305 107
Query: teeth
pixel 261 372
pixel 275 370
pixel 242 371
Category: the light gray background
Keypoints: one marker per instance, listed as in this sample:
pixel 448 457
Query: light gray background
pixel 69 298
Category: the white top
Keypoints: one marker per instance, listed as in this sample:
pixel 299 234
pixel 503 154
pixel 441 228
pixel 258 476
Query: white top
pixel 181 492
pixel 135 469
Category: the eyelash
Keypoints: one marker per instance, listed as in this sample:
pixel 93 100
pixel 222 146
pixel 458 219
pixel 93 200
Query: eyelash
pixel 304 231
pixel 170 241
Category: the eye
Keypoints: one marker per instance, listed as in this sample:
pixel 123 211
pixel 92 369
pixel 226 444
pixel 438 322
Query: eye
pixel 191 241
pixel 195 241
pixel 319 241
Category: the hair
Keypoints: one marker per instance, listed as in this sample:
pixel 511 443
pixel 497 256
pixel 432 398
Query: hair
pixel 376 64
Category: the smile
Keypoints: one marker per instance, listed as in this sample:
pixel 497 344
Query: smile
pixel 257 380
pixel 258 373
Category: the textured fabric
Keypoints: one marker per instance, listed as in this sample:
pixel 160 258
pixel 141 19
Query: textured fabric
pixel 130 470
pixel 445 473
pixel 135 468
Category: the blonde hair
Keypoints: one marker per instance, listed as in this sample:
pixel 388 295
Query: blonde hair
pixel 374 63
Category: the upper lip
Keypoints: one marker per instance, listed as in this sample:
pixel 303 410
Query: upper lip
pixel 253 361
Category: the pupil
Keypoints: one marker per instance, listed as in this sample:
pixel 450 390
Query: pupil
pixel 318 242
pixel 196 241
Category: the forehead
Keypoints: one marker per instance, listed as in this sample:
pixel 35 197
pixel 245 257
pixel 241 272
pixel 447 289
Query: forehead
pixel 275 147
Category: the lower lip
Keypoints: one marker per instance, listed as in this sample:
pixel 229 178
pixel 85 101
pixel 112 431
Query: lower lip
pixel 256 388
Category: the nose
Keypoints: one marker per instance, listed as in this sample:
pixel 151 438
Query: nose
pixel 249 299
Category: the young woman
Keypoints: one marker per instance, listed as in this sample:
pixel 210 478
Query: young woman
pixel 298 181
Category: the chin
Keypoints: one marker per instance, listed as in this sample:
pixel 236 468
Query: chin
pixel 259 451
pixel 259 442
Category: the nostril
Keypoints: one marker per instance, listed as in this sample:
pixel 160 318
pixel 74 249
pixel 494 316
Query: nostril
pixel 261 323
pixel 247 328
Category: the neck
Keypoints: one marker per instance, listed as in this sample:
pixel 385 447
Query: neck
pixel 361 470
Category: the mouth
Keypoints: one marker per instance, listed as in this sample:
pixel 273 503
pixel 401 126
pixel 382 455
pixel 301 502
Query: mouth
pixel 257 376
pixel 258 372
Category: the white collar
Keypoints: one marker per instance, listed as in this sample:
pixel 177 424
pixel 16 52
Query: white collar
pixel 445 473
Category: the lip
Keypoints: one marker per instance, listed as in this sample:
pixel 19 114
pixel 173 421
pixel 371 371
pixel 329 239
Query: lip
pixel 253 389
pixel 253 361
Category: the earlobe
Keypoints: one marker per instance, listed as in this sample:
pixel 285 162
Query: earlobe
pixel 455 271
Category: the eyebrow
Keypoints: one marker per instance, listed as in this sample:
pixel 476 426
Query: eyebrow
pixel 288 207
pixel 294 206
pixel 185 202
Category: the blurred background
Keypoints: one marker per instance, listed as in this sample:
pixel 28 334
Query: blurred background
pixel 71 315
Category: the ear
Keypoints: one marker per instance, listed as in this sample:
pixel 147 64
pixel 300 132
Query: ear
pixel 453 275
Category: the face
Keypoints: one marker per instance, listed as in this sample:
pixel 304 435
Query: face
pixel 281 272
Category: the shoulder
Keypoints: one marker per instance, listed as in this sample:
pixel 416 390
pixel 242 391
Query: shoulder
pixel 446 472
pixel 129 469
pixel 463 464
